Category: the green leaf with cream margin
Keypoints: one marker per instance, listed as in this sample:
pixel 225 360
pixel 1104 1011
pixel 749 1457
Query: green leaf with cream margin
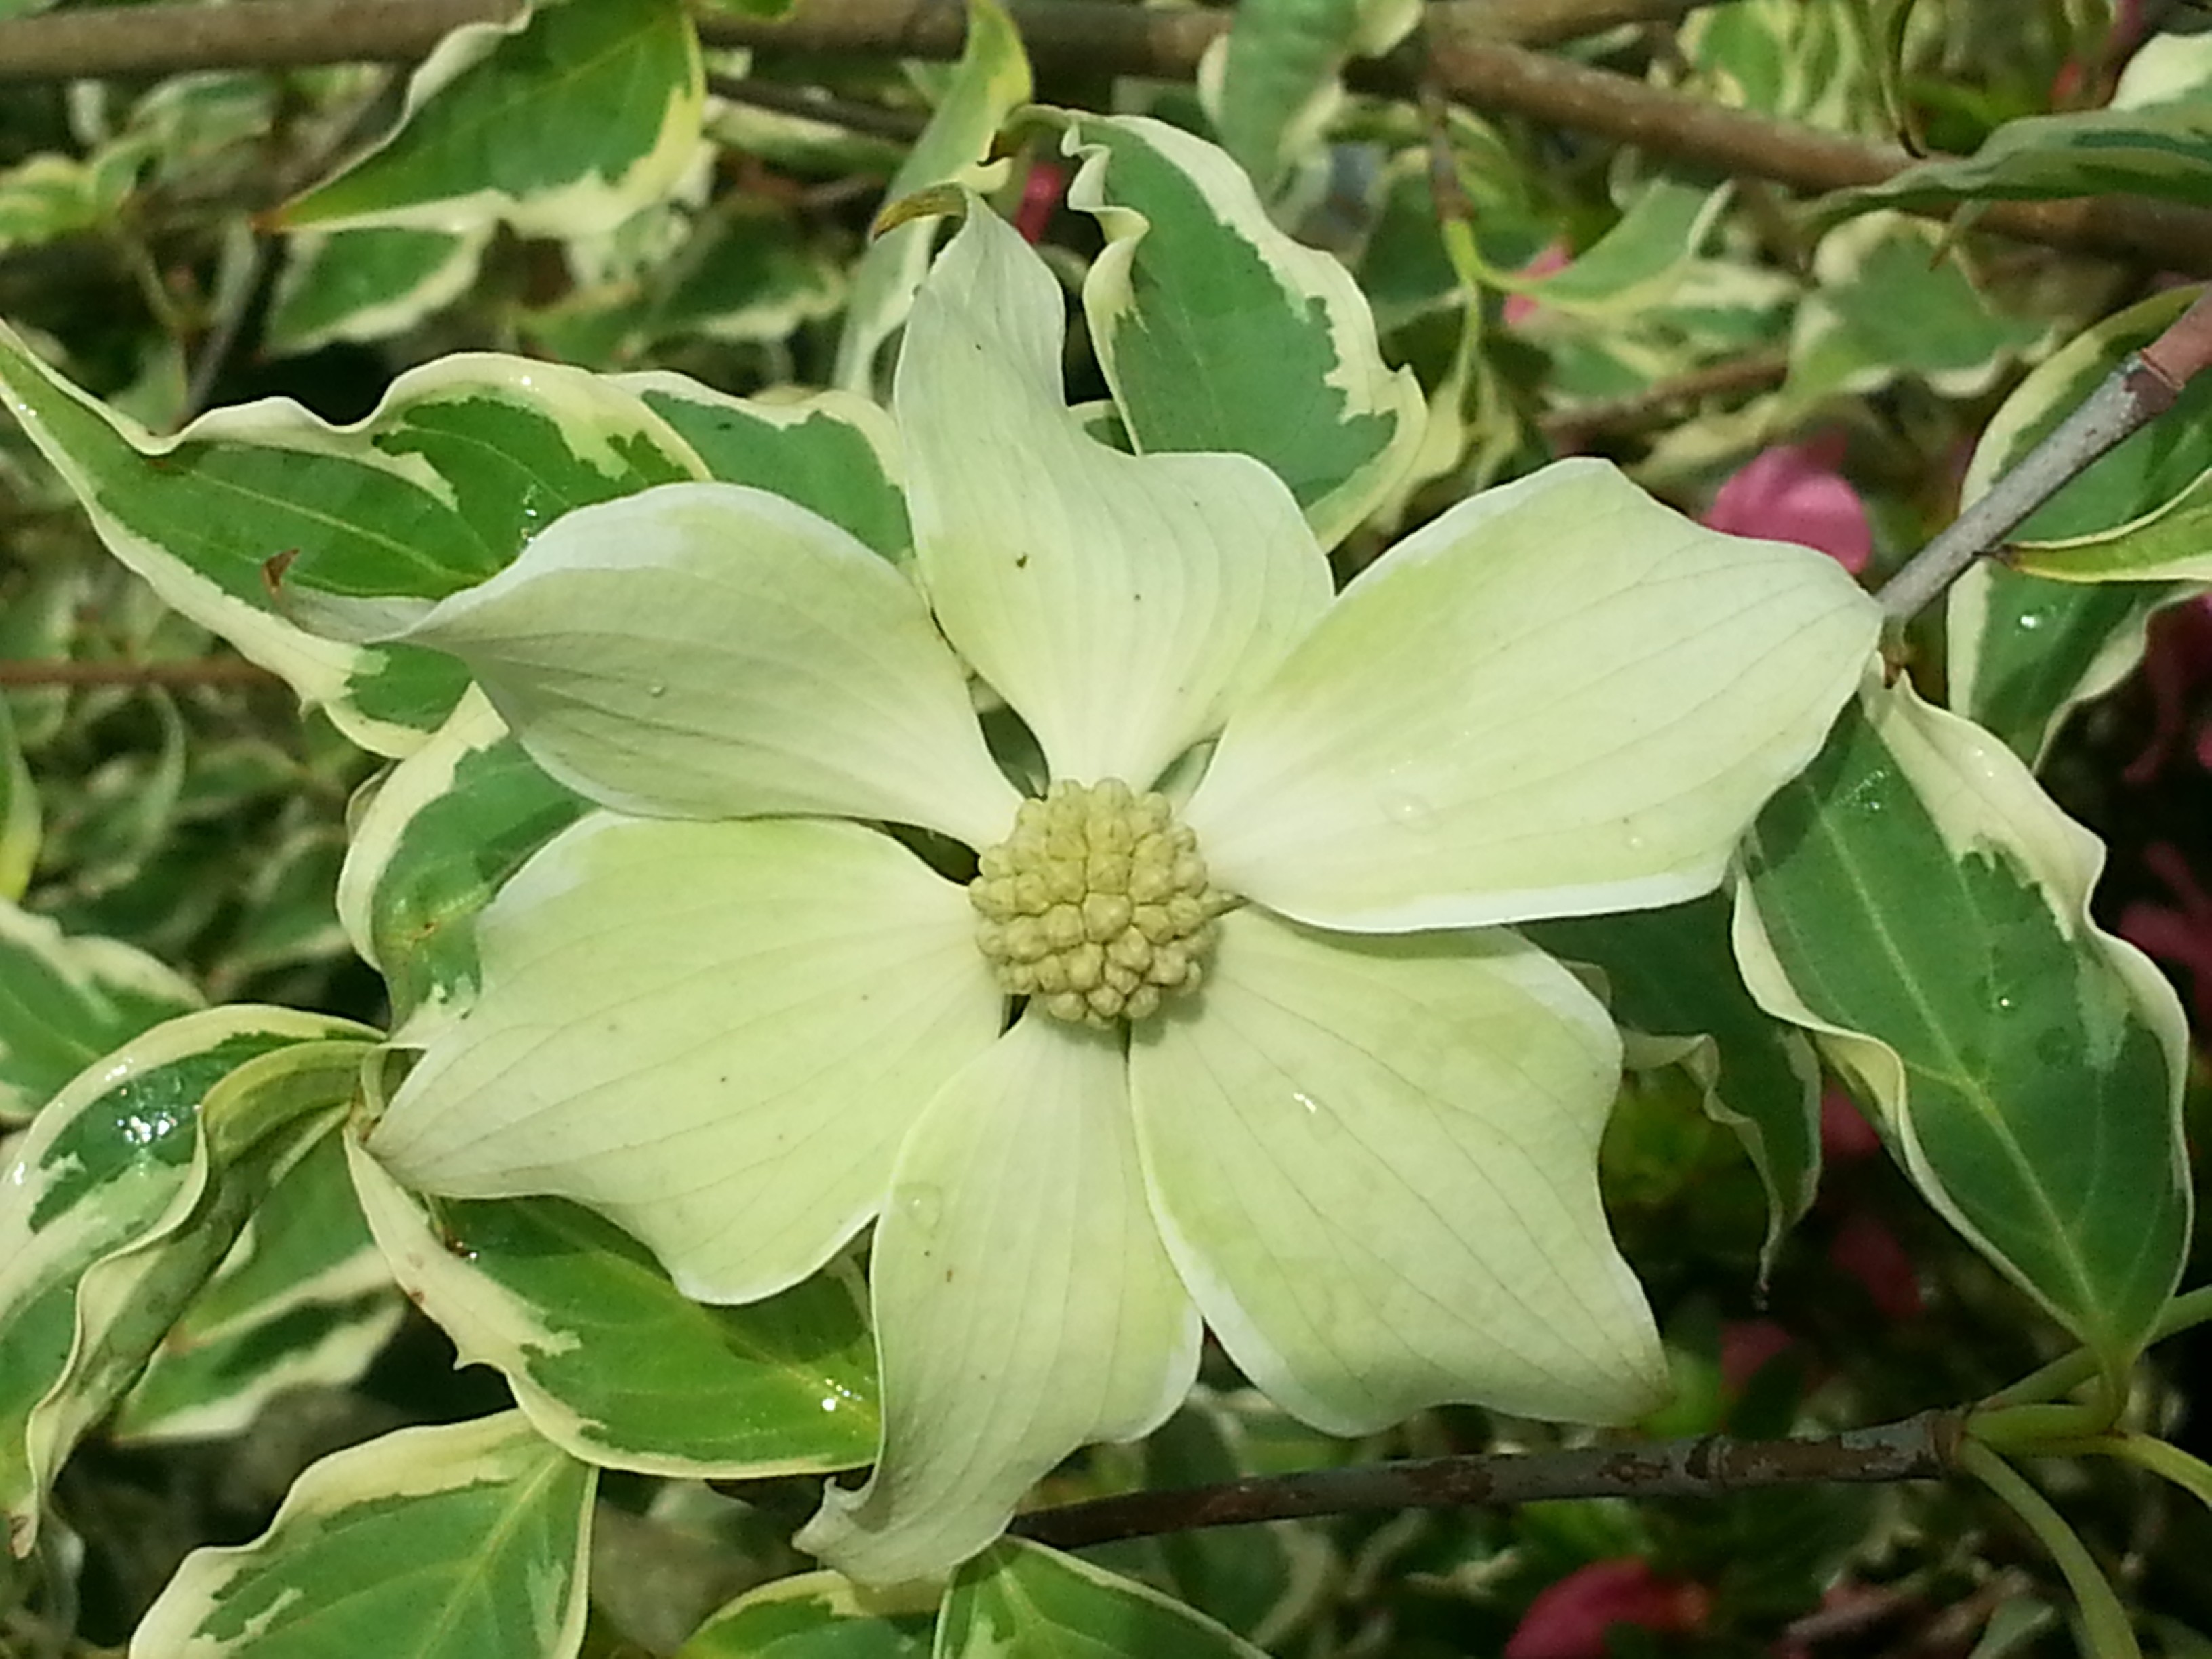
pixel 2164 152
pixel 1916 900
pixel 990 82
pixel 1019 1597
pixel 562 123
pixel 1218 331
pixel 1273 83
pixel 465 1540
pixel 464 460
pixel 1891 300
pixel 65 1002
pixel 358 285
pixel 125 1195
pixel 1636 264
pixel 566 1306
pixel 305 1299
pixel 832 453
pixel 1676 993
pixel 432 846
pixel 2024 650
pixel 2142 512
pixel 813 1615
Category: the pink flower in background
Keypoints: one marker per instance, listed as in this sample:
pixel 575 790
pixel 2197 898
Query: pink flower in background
pixel 1519 307
pixel 1749 1346
pixel 2179 933
pixel 1569 1620
pixel 2087 82
pixel 1869 1253
pixel 1794 493
pixel 2177 664
pixel 1845 1135
pixel 1042 189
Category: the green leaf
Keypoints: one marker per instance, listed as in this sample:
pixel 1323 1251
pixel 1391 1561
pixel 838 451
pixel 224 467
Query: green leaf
pixel 990 82
pixel 20 819
pixel 1636 264
pixel 562 123
pixel 1262 1581
pixel 305 1300
pixel 2140 511
pixel 463 462
pixel 1890 301
pixel 1800 59
pixel 1019 1597
pixel 1217 331
pixel 813 1615
pixel 751 273
pixel 834 454
pixel 121 1199
pixel 2173 543
pixel 47 197
pixel 468 1541
pixel 1673 978
pixel 2149 470
pixel 65 1002
pixel 2025 651
pixel 1916 899
pixel 368 284
pixel 1273 84
pixel 433 846
pixel 612 1362
pixel 2165 152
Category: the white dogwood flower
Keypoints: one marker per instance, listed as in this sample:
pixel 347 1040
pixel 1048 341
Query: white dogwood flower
pixel 1273 1062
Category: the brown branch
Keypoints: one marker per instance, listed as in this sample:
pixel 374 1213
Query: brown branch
pixel 1562 94
pixel 1463 51
pixel 169 39
pixel 1918 1448
pixel 202 671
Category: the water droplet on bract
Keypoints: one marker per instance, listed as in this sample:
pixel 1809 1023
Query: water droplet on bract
pixel 2030 621
pixel 1635 843
pixel 921 1205
pixel 1408 809
pixel 656 690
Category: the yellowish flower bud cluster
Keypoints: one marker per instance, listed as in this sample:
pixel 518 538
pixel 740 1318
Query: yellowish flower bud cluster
pixel 1096 905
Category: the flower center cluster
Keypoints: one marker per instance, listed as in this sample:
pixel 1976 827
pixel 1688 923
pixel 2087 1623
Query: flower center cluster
pixel 1096 905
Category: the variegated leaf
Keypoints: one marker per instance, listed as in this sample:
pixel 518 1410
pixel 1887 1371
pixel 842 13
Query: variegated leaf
pixel 125 1193
pixel 1218 331
pixel 563 1303
pixel 562 123
pixel 466 1540
pixel 1916 899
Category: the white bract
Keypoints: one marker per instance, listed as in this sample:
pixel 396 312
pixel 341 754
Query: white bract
pixel 1355 1133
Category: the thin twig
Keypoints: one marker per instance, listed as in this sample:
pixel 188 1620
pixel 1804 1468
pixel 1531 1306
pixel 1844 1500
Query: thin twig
pixel 875 120
pixel 1753 372
pixel 201 671
pixel 1918 1449
pixel 2142 387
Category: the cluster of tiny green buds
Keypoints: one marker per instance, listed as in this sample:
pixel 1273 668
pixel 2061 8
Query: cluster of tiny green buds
pixel 1096 905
